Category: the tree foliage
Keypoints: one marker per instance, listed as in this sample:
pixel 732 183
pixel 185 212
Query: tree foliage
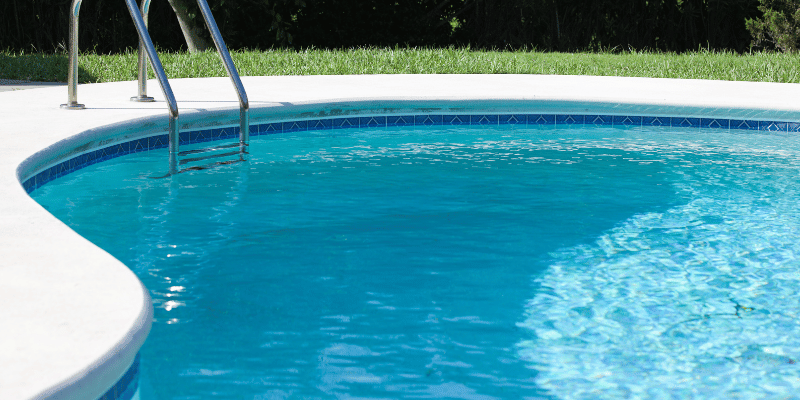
pixel 332 24
pixel 779 27
pixel 104 26
pixel 675 25
pixel 559 25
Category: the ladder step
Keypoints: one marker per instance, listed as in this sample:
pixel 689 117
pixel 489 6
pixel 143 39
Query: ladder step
pixel 227 146
pixel 193 159
pixel 199 168
pixel 210 165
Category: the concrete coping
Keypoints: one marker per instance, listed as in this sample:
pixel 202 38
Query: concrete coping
pixel 74 317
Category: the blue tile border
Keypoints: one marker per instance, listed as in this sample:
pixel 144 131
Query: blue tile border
pixel 455 120
pixel 400 120
pixel 568 119
pixel 127 385
pixel 513 119
pixel 655 121
pixel 384 121
pixel 598 120
pixel 541 119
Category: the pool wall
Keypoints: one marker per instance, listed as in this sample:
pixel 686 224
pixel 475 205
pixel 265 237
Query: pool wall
pixel 77 316
pixel 84 150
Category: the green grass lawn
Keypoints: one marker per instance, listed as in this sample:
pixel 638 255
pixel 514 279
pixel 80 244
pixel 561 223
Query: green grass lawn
pixel 761 67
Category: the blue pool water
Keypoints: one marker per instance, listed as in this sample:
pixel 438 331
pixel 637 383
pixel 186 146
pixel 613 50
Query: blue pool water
pixel 477 263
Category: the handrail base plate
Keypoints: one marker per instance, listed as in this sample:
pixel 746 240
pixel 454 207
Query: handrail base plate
pixel 143 99
pixel 73 106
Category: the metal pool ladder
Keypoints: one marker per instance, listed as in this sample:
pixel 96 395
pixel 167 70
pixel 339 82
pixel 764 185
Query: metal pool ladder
pixel 146 49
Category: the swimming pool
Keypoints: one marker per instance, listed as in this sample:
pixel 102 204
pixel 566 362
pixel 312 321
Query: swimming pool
pixel 740 114
pixel 391 261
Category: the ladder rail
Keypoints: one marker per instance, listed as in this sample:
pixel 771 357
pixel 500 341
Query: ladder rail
pixel 222 49
pixel 72 71
pixel 139 14
pixel 230 68
pixel 144 9
pixel 166 89
pixel 155 63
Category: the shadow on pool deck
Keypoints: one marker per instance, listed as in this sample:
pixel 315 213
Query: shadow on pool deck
pixel 8 85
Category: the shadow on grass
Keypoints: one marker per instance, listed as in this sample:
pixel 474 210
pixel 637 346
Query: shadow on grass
pixel 39 67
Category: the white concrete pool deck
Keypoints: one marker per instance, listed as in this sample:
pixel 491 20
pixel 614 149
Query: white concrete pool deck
pixel 71 315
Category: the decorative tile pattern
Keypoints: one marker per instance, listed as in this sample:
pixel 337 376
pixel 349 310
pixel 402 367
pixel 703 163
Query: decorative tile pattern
pixel 772 126
pixel 186 137
pixel 344 123
pixel 400 120
pixel 513 119
pixel 428 120
pixel 570 119
pixel 295 126
pixel 205 135
pixel 541 119
pixel 372 122
pixel 266 129
pixel 565 120
pixel 746 125
pixel 138 145
pixel 685 122
pixel 224 133
pixel 598 119
pixel 714 123
pixel 158 142
pixel 483 119
pixel 655 121
pixel 455 119
pixel 320 124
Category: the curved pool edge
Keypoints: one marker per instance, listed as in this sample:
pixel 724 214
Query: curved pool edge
pixel 80 316
pixel 117 367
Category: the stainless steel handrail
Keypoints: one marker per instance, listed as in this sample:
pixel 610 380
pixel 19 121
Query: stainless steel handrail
pixel 155 63
pixel 230 67
pixel 142 64
pixel 147 50
pixel 72 72
pixel 244 104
